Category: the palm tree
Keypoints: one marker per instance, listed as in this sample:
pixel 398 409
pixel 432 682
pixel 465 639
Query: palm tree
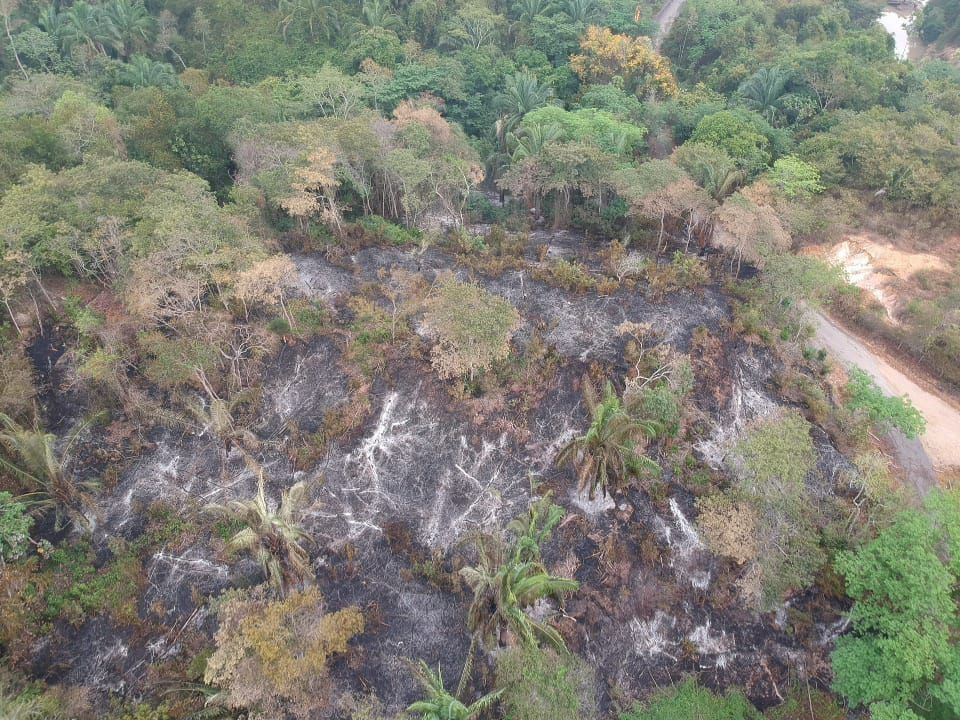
pixel 141 71
pixel 378 13
pixel 84 24
pixel 440 704
pixel 273 536
pixel 581 11
pixel 533 529
pixel 607 454
pixel 30 457
pixel 530 141
pixel 522 92
pixel 128 24
pixel 721 180
pixel 616 141
pixel 52 23
pixel 527 10
pixel 510 577
pixel 216 417
pixel 319 16
pixel 763 90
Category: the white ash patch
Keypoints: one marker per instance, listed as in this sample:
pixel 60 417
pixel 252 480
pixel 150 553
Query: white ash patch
pixel 417 466
pixel 748 402
pixel 318 278
pixel 168 572
pixel 304 393
pixel 600 504
pixel 709 642
pixel 687 549
pixel 98 667
pixel 652 637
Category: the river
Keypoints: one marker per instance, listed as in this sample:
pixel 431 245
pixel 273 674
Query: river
pixel 897 22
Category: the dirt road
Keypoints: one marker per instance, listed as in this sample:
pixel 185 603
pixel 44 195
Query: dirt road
pixel 939 447
pixel 668 13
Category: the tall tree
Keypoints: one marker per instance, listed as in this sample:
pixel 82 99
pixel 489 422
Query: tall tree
pixel 901 658
pixel 141 71
pixel 522 92
pixel 605 55
pixel 319 17
pixel 7 10
pixel 84 24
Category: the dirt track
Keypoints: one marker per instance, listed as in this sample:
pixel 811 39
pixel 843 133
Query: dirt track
pixel 668 13
pixel 938 448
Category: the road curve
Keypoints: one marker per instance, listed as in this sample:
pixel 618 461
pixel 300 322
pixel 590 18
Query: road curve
pixel 938 447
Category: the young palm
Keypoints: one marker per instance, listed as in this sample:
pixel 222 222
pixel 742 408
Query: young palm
pixel 440 704
pixel 30 456
pixel 606 455
pixel 273 536
pixel 508 578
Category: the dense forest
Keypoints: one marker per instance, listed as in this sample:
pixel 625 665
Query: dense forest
pixel 462 359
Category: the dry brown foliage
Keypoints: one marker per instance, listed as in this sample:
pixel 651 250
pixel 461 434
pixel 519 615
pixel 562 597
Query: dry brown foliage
pixel 729 527
pixel 272 656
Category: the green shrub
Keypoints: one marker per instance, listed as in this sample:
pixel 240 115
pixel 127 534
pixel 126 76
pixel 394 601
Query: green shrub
pixel 883 410
pixel 279 326
pixel 777 455
pixel 384 231
pixel 571 275
pixel 689 701
pixel 539 684
pixel 15 524
pixel 16 381
pixel 901 655
pixel 84 320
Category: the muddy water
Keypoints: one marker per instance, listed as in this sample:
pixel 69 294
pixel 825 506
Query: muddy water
pixel 897 21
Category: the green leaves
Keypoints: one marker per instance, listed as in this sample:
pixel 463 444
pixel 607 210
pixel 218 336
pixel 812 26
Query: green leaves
pixel 881 409
pixel 510 577
pixel 610 452
pixel 688 700
pixel 777 455
pixel 15 524
pixel 440 704
pixel 273 536
pixel 901 649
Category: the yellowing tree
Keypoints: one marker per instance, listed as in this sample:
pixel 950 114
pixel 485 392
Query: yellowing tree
pixel 631 63
pixel 313 188
pixel 266 282
pixel 748 230
pixel 271 657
